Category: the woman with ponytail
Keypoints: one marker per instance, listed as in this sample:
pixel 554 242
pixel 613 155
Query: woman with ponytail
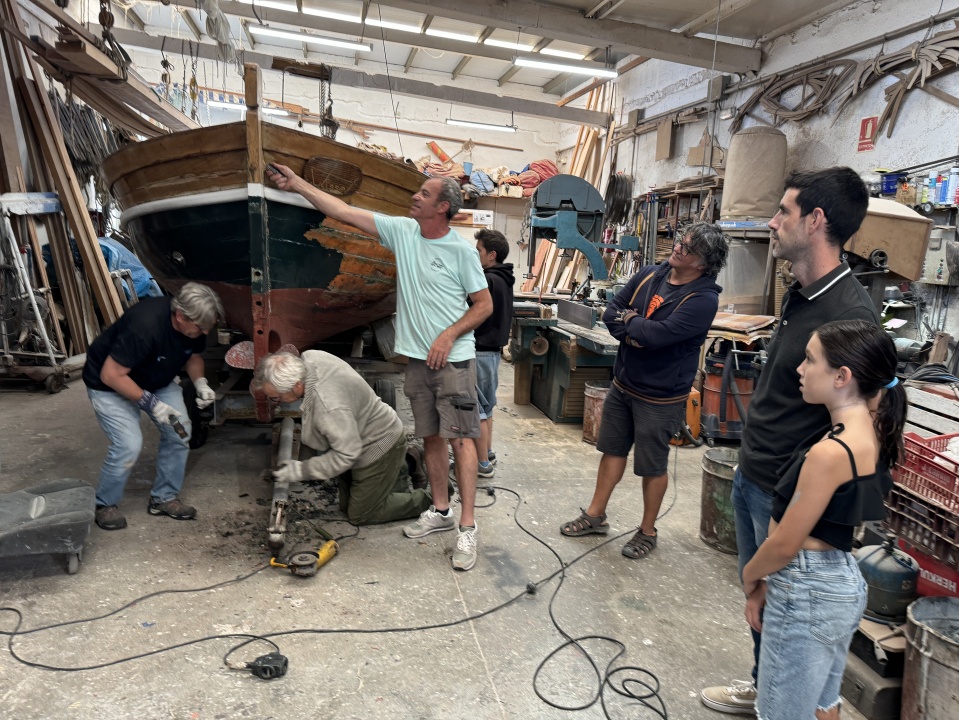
pixel 803 587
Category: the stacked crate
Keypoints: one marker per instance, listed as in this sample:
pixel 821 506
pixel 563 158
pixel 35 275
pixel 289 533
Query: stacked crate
pixel 924 511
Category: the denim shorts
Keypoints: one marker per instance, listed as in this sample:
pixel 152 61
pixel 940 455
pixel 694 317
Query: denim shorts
pixel 813 607
pixel 487 380
pixel 631 423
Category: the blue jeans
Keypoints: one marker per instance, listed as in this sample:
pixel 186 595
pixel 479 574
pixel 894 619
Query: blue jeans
pixel 753 509
pixel 120 420
pixel 487 380
pixel 813 607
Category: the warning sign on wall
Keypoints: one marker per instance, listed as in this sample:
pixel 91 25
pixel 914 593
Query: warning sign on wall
pixel 867 133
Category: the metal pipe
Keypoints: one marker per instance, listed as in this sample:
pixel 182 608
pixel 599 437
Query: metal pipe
pixel 276 534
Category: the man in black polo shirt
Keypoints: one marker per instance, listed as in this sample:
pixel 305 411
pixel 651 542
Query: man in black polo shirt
pixel 819 212
pixel 132 367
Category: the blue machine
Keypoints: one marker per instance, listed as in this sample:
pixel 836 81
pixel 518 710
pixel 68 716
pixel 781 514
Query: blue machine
pixel 569 211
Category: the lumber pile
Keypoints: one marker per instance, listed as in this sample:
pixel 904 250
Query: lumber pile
pixel 554 269
pixel 46 167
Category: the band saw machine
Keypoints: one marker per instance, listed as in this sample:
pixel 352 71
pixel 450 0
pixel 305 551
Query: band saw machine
pixel 569 211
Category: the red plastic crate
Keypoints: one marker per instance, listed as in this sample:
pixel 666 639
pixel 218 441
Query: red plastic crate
pixel 929 473
pixel 935 578
pixel 924 525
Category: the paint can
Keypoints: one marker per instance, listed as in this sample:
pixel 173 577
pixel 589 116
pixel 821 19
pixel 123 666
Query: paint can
pixel 717 524
pixel 594 395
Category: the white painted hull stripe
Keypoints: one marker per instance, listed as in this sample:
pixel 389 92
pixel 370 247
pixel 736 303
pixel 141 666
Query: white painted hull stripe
pixel 214 197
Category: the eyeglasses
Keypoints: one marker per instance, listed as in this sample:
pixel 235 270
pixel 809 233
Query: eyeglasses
pixel 684 248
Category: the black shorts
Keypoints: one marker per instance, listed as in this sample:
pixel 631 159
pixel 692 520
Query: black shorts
pixel 629 422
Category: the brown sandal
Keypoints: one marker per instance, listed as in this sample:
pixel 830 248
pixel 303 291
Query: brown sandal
pixel 585 525
pixel 640 545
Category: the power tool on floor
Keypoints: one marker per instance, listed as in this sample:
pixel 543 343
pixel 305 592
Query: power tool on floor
pixel 304 562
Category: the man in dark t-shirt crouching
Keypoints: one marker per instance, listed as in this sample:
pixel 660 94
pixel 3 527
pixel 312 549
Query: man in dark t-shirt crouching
pixel 132 367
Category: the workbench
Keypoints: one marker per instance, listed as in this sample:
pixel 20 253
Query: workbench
pixel 576 355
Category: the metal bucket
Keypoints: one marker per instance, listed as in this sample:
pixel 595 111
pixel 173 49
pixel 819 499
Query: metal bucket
pixel 594 394
pixel 717 525
pixel 932 659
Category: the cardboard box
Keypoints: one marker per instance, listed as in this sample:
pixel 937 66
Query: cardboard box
pixel 896 230
pixel 514 191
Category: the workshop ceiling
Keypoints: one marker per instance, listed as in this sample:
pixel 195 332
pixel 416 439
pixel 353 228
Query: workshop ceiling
pixel 458 41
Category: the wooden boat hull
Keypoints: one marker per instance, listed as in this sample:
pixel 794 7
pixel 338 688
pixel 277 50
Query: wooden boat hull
pixel 280 266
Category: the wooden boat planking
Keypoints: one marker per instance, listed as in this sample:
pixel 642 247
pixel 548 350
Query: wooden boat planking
pixel 180 164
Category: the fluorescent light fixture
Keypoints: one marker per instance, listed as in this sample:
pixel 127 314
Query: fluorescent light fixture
pixel 226 105
pixel 562 53
pixel 242 108
pixel 507 44
pixel 311 39
pixel 451 35
pixel 331 15
pixel 275 4
pixel 483 126
pixel 390 25
pixel 563 67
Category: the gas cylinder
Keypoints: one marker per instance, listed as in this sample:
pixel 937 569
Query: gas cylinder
pixel 891 576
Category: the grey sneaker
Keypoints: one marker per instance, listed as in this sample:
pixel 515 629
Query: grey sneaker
pixel 174 508
pixel 491 457
pixel 108 517
pixel 464 554
pixel 485 470
pixel 737 699
pixel 430 521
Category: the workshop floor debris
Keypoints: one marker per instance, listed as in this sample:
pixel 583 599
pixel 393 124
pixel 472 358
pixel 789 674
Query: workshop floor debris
pixel 678 614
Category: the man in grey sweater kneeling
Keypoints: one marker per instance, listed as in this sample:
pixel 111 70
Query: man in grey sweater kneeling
pixel 357 436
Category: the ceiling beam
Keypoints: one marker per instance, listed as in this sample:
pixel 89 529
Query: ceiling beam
pixel 464 61
pixel 131 15
pixel 341 27
pixel 249 36
pixel 348 77
pixel 508 75
pixel 190 23
pixel 804 20
pixel 708 19
pixel 571 26
pixel 410 58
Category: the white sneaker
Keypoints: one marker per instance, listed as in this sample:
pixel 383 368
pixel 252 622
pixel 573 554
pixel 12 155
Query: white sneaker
pixel 464 554
pixel 737 699
pixel 430 521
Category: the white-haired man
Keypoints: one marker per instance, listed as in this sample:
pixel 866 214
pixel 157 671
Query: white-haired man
pixel 133 366
pixel 360 438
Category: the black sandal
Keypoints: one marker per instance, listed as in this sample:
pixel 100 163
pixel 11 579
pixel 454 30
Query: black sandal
pixel 585 525
pixel 640 545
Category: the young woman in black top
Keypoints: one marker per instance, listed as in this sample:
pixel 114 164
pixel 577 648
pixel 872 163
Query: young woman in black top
pixel 803 587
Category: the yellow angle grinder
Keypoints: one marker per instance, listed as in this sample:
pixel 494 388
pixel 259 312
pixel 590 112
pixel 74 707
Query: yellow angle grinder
pixel 305 563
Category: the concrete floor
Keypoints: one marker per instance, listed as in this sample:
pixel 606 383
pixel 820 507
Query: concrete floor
pixel 678 613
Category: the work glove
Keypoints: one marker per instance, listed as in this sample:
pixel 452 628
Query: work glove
pixel 204 393
pixel 288 471
pixel 159 411
pixel 626 315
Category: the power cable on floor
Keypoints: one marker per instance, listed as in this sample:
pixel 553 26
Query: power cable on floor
pixel 643 689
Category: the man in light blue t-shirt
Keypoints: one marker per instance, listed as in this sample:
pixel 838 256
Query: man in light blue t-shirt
pixel 437 270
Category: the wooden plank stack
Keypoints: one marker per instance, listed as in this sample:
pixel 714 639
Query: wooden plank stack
pixel 46 167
